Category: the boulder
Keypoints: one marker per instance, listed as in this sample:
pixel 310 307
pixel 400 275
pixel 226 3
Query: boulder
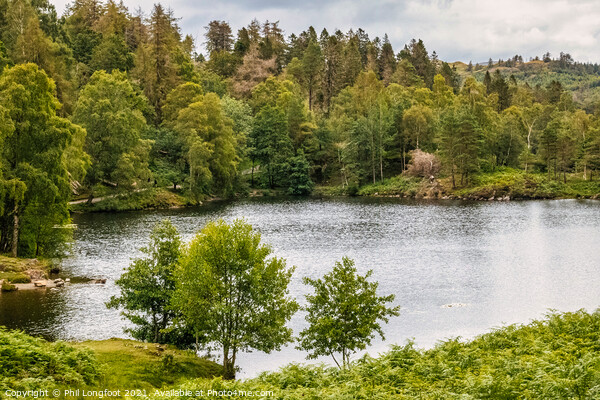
pixel 36 274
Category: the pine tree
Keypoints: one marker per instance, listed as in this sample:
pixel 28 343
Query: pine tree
pixel 218 36
pixel 155 64
pixel 417 54
pixel 387 61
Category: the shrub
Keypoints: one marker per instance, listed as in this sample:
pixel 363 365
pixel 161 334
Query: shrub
pixel 423 164
pixel 8 287
pixel 352 189
pixel 27 363
pixel 19 278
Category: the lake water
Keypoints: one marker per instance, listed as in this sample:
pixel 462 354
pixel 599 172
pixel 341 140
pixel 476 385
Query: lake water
pixel 496 262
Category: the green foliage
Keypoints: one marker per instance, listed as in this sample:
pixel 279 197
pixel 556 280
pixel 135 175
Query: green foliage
pixel 298 176
pixel 34 181
pixel 112 53
pixel 28 363
pixel 399 185
pixel 167 158
pixel 343 313
pixel 156 66
pixel 554 358
pixel 271 144
pixel 460 142
pixel 147 287
pixel 518 184
pixel 112 113
pixel 178 99
pixel 232 294
pixel 4 60
pixel 210 144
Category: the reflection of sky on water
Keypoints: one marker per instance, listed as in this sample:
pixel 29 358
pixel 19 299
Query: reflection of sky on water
pixel 505 262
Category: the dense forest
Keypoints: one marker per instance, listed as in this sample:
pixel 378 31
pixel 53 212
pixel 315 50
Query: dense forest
pixel 104 99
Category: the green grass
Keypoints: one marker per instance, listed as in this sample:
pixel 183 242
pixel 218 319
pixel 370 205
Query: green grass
pixel 132 364
pixel 329 191
pixel 397 186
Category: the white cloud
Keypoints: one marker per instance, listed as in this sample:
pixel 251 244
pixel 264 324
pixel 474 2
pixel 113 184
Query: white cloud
pixel 456 29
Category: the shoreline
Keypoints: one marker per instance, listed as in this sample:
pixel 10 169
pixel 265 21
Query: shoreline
pixel 17 273
pixel 502 185
pixel 334 192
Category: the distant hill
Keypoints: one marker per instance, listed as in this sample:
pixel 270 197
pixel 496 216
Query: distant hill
pixel 582 80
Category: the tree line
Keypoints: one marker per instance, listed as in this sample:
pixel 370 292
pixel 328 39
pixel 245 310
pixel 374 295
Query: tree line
pixel 225 291
pixel 104 99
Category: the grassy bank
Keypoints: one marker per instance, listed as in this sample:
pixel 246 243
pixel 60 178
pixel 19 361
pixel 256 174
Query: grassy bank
pixel 147 199
pixel 132 364
pixel 506 183
pixel 520 185
pixel 21 270
pixel 555 358
pixel 29 363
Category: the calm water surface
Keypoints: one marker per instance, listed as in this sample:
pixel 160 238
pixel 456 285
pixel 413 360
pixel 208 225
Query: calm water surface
pixel 501 262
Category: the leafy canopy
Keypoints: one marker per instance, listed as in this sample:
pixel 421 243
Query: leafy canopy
pixel 232 293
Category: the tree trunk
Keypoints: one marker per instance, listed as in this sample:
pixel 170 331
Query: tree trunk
pixel 15 238
pixel 228 365
pixel 380 146
pixel 373 157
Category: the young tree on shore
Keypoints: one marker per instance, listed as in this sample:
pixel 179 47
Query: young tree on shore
pixel 344 313
pixel 232 294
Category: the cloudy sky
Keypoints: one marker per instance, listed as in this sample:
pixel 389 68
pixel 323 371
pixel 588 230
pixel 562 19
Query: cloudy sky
pixel 457 29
